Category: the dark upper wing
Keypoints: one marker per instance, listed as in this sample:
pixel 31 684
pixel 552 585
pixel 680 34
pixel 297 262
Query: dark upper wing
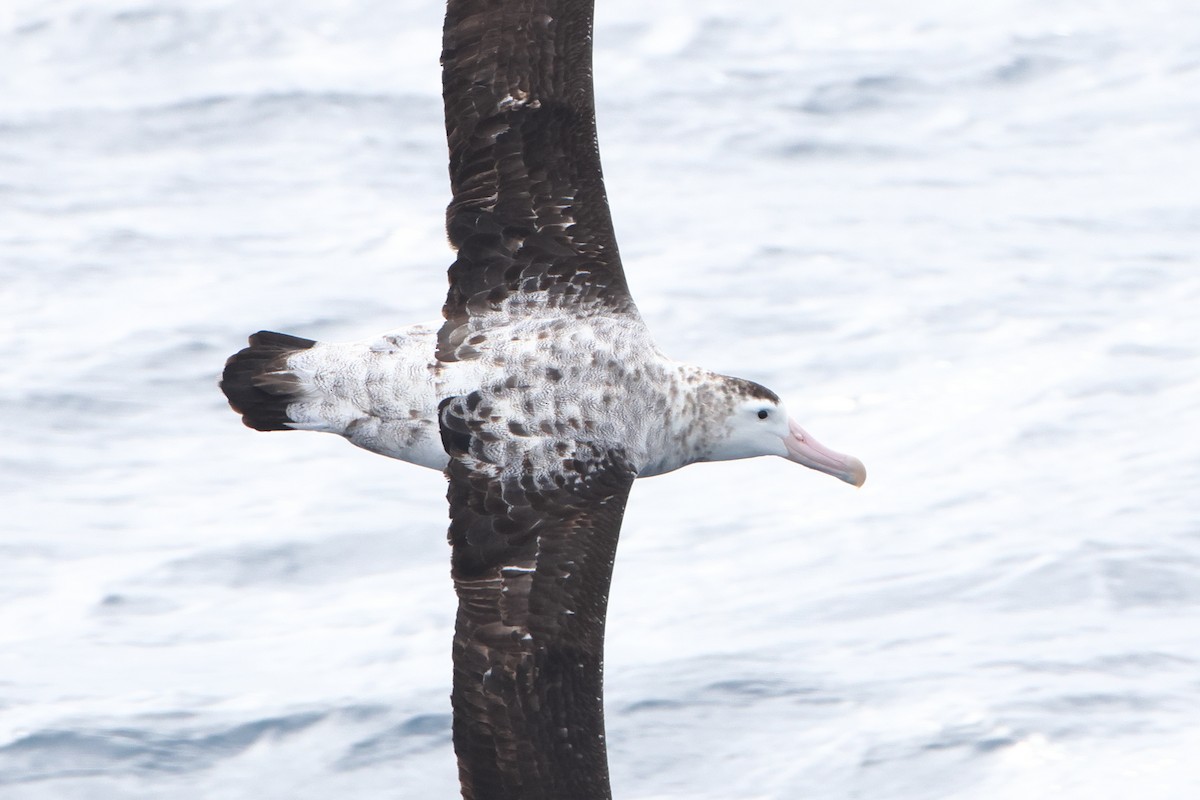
pixel 529 211
pixel 532 559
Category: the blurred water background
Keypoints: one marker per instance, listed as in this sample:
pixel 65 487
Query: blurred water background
pixel 960 239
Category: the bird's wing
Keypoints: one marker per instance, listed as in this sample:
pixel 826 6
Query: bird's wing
pixel 533 553
pixel 529 217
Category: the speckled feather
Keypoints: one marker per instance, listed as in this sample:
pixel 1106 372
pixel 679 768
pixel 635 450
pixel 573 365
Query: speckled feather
pixel 544 379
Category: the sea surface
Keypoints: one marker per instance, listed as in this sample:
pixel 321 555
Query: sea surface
pixel 961 240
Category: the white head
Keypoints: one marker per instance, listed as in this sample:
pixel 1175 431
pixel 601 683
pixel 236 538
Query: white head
pixel 759 425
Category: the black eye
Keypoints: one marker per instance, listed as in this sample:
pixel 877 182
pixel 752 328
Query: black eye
pixel 763 413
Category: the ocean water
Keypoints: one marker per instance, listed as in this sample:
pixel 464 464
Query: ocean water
pixel 960 239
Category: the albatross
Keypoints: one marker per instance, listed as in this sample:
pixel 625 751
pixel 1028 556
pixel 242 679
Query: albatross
pixel 541 394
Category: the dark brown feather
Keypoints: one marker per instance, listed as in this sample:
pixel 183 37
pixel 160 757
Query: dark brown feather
pixel 529 211
pixel 533 538
pixel 532 560
pixel 256 381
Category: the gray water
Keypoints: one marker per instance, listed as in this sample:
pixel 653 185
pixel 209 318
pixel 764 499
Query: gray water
pixel 960 239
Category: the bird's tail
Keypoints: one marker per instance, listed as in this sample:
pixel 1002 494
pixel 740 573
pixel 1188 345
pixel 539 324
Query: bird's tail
pixel 259 384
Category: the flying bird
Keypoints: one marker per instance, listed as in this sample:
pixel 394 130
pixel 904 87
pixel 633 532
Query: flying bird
pixel 541 394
